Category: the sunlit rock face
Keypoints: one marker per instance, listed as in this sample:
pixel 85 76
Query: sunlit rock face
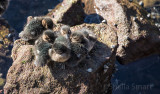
pixel 136 33
pixel 90 76
pixel 69 12
pixel 134 28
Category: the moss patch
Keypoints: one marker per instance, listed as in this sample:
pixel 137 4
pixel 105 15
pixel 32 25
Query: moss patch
pixel 23 62
pixel 3 33
pixel 2 81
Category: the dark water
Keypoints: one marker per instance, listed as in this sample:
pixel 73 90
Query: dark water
pixel 140 77
pixel 19 10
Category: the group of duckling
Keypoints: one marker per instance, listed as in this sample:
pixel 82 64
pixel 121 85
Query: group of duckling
pixel 64 46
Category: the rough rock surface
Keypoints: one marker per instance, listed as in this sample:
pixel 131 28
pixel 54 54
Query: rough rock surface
pixel 90 76
pixel 69 12
pixel 138 37
pixel 88 6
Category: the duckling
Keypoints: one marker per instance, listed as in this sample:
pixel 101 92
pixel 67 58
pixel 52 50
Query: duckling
pixel 78 37
pixel 65 31
pixel 60 51
pixel 91 37
pixel 42 45
pixel 35 28
pixel 41 53
pixel 47 36
pixel 78 54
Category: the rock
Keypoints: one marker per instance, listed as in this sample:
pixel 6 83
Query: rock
pixel 89 6
pixel 133 26
pixel 136 38
pixel 141 3
pixel 16 46
pixel 72 14
pixel 3 6
pixel 5 43
pixel 88 77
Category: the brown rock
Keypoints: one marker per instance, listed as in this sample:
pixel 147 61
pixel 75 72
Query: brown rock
pixel 89 6
pixel 90 76
pixel 138 37
pixel 69 12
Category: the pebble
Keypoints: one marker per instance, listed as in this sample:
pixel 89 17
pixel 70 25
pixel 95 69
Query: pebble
pixel 156 24
pixel 148 15
pixel 141 3
pixel 89 70
pixel 113 46
pixel 49 10
pixel 106 67
pixel 134 18
pixel 104 21
pixel 141 19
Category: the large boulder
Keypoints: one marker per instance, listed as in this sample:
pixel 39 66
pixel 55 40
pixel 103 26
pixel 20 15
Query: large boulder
pixel 69 12
pixel 90 76
pixel 138 37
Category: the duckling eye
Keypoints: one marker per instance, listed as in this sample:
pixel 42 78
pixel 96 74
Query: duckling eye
pixel 69 32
